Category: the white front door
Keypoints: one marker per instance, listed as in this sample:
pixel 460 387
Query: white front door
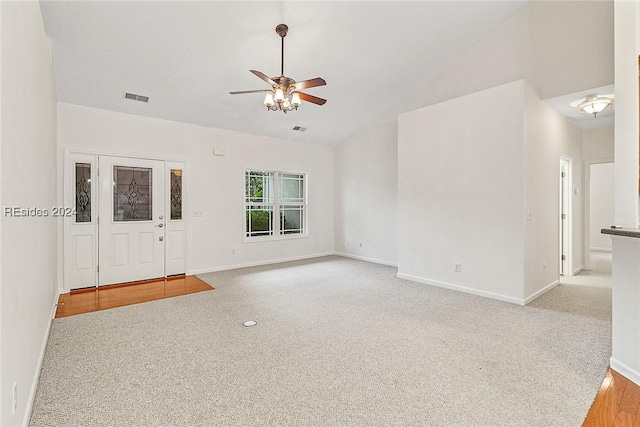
pixel 132 219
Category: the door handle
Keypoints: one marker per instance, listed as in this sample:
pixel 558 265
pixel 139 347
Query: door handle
pixel 160 225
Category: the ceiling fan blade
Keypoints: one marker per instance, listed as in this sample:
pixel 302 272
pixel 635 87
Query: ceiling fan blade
pixel 264 77
pixel 318 81
pixel 238 92
pixel 311 98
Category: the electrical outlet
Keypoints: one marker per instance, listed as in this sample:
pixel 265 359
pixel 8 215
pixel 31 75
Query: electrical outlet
pixel 457 268
pixel 360 244
pixel 197 213
pixel 15 399
pixel 233 251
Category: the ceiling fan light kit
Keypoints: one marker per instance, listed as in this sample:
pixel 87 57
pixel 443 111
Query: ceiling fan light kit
pixel 285 92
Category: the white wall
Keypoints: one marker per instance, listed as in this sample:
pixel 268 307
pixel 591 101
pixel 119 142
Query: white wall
pixel 597 147
pixel 460 193
pixel 2 392
pixel 538 43
pixel 366 182
pixel 547 135
pixel 479 187
pixel 28 165
pixel 597 143
pixel 214 184
pixel 626 251
pixel 562 54
pixel 601 205
pixel 568 138
pixel 626 123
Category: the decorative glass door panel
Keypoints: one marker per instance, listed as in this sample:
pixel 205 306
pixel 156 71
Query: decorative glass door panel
pixel 132 193
pixel 131 228
pixel 176 194
pixel 80 234
pixel 83 192
pixel 175 250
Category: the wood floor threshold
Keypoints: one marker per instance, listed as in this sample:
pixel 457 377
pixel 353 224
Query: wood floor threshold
pixel 87 300
pixel 616 404
pixel 137 282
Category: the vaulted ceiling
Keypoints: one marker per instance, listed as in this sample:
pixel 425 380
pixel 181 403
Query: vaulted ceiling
pixel 187 56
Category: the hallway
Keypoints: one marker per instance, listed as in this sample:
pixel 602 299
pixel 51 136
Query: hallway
pixel 599 276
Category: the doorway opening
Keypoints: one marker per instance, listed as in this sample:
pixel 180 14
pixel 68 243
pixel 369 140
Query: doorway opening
pixel 599 208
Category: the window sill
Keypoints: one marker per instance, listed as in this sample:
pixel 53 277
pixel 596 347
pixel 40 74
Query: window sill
pixel 274 238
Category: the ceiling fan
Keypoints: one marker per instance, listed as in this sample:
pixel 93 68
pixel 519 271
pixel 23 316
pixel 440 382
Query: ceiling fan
pixel 285 92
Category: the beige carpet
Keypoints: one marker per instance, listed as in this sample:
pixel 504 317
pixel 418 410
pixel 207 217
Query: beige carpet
pixel 338 342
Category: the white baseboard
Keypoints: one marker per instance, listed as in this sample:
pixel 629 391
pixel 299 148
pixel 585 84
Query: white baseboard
pixel 578 270
pixel 486 294
pixel 624 370
pixel 36 377
pixel 601 249
pixel 542 291
pixel 367 259
pixel 256 264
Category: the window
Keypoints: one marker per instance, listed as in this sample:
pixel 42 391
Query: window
pixel 275 203
pixel 83 192
pixel 132 200
pixel 176 194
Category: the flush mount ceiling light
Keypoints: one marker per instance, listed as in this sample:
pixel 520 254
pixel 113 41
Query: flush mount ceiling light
pixel 595 104
pixel 285 92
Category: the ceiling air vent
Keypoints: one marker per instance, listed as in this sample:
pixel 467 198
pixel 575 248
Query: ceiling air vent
pixel 299 128
pixel 135 97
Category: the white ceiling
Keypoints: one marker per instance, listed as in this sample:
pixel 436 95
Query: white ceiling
pixel 584 121
pixel 187 56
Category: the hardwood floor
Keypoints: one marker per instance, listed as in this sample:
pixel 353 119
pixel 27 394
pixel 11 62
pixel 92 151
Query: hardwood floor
pixel 616 404
pixel 94 299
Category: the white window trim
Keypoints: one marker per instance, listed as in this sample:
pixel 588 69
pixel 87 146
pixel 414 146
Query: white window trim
pixel 276 208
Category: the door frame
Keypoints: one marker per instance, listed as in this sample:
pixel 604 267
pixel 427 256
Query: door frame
pixel 69 200
pixel 565 237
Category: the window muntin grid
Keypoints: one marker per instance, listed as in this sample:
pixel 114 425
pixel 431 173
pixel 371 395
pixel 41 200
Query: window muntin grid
pixel 266 215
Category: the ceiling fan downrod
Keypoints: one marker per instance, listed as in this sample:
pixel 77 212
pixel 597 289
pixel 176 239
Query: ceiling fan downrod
pixel 282 31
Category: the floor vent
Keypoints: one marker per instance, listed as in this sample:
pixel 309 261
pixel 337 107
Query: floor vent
pixel 299 128
pixel 134 97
